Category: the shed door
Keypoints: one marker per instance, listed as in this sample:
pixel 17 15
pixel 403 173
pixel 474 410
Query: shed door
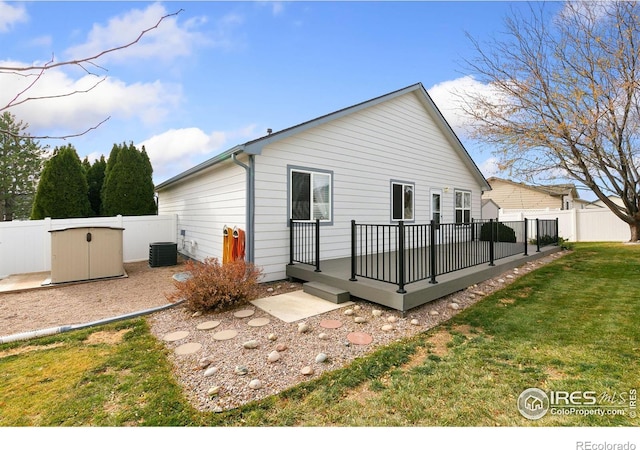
pixel 105 255
pixel 69 256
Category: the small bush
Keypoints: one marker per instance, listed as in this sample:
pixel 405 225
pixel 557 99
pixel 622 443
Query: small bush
pixel 217 287
pixel 544 240
pixel 503 234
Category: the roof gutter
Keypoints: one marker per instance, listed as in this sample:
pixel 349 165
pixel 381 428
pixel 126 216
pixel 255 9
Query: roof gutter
pixel 250 203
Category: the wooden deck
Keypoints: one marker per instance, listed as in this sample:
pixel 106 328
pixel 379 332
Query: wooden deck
pixel 336 273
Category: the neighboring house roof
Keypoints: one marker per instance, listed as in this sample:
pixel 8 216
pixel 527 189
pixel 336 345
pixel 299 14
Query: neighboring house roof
pixel 254 147
pixel 554 190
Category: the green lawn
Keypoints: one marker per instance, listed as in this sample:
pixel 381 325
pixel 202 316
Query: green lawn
pixel 569 326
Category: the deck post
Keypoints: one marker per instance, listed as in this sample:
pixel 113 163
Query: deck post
pixel 492 237
pixel 526 241
pixel 291 242
pixel 538 234
pixel 432 252
pixel 317 246
pixel 354 237
pixel 400 253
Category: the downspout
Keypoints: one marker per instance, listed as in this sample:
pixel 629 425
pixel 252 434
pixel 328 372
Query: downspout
pixel 250 207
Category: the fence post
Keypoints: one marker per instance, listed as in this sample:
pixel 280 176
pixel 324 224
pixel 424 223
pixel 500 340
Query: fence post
pixel 557 231
pixel 400 256
pixel 291 242
pixel 317 246
pixel 538 234
pixel 432 252
pixel 492 237
pixel 526 240
pixel 354 238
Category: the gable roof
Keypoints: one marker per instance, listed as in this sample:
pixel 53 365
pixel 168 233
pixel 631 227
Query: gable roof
pixel 554 190
pixel 255 146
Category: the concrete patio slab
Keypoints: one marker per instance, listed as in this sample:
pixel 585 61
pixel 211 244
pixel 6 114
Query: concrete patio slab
pixel 297 305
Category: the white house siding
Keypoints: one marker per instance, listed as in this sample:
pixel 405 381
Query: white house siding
pixel 393 140
pixel 205 203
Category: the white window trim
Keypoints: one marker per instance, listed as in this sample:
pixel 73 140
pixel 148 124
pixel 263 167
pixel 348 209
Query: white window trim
pixel 311 172
pixel 413 200
pixel 455 207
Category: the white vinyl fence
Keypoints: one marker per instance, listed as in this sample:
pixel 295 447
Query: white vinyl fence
pixel 25 246
pixel 577 225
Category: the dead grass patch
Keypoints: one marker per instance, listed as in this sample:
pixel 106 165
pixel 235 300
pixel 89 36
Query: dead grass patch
pixel 106 337
pixel 507 301
pixel 29 348
pixel 440 343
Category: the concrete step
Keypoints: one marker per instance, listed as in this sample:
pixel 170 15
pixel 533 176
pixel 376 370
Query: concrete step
pixel 324 291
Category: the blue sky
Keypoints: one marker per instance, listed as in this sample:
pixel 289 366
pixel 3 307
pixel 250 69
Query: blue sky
pixel 221 73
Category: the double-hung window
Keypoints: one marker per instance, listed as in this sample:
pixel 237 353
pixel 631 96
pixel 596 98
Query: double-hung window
pixel 310 194
pixel 463 206
pixel 402 200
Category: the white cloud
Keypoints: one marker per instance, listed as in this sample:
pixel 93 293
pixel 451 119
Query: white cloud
pixel 176 150
pixel 169 40
pixel 449 96
pixel 149 102
pixel 11 15
pixel 490 167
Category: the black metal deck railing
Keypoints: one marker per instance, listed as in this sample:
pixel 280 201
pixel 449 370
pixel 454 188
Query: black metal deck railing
pixel 304 243
pixel 402 253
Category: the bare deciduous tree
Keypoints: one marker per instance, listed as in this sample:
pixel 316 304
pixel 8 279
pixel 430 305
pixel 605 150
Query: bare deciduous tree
pixel 565 99
pixel 89 64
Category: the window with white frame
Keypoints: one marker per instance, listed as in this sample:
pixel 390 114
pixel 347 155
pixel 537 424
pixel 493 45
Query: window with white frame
pixel 402 200
pixel 310 194
pixel 463 206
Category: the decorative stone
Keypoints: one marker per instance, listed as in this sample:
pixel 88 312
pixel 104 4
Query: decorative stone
pixel 358 338
pixel 359 320
pixel 241 370
pixel 272 337
pixel 225 334
pixel 205 362
pixel 472 296
pixel 196 314
pixel 281 347
pixel 509 276
pixel 270 289
pixel 213 391
pixel 255 384
pixel 454 306
pixel 250 344
pixel 259 322
pixel 175 336
pixel 323 336
pixel 348 312
pixel 433 312
pixel 500 280
pixel 210 371
pixel 415 322
pixel 387 327
pixel 357 308
pixel 321 358
pixel 330 323
pixel 303 327
pixel 376 313
pixel 306 370
pixel 273 356
pixel 208 325
pixel 187 349
pixel 392 319
pixel 244 313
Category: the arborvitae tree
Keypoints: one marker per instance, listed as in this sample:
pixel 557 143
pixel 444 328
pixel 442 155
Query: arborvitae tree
pixel 95 180
pixel 62 191
pixel 149 188
pixel 128 186
pixel 21 160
